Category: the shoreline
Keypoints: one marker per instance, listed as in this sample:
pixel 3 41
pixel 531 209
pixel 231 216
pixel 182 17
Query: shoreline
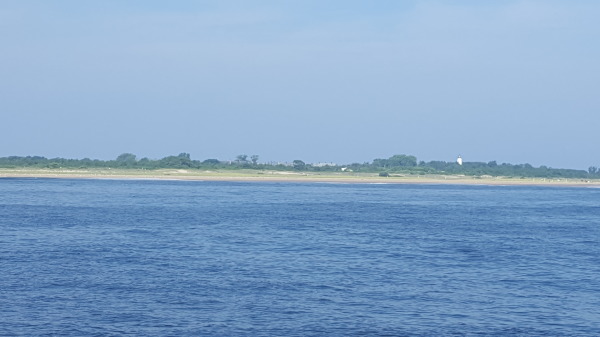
pixel 289 176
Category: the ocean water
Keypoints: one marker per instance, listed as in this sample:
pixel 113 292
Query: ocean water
pixel 184 258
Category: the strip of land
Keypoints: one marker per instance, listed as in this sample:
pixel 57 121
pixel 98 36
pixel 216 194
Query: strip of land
pixel 288 176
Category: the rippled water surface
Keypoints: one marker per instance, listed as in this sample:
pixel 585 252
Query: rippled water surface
pixel 174 258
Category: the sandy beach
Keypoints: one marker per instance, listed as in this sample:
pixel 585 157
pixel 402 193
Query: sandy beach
pixel 287 176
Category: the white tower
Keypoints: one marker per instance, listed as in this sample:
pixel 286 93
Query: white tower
pixel 459 160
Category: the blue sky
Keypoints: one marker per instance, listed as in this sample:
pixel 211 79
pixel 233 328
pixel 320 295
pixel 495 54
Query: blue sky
pixel 342 81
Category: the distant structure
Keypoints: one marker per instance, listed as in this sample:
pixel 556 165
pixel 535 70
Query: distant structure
pixel 459 160
pixel 324 164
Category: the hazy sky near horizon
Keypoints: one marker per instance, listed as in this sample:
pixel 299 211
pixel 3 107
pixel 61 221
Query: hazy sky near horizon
pixel 341 80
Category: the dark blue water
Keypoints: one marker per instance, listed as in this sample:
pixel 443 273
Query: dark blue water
pixel 169 258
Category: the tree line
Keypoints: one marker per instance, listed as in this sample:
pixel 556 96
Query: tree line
pixel 397 164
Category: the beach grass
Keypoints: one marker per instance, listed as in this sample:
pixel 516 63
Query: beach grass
pixel 283 176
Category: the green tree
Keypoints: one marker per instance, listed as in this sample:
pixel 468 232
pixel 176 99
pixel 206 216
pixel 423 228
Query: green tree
pixel 380 162
pixel 146 163
pixel 180 161
pixel 298 165
pixel 254 159
pixel 211 162
pixel 126 159
pixel 402 160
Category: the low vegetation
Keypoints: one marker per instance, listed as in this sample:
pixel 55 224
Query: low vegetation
pixel 395 165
